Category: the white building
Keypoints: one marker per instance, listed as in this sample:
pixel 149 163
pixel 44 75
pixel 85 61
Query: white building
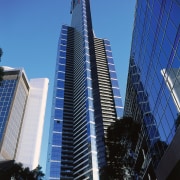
pixel 22 111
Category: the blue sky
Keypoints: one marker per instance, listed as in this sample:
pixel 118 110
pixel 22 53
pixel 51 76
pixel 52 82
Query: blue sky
pixel 29 32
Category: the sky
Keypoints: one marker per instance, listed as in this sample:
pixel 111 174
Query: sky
pixel 29 32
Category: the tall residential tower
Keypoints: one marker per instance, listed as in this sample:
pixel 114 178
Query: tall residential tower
pixel 86 100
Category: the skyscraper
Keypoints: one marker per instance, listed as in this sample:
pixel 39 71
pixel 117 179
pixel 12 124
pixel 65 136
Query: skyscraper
pixel 86 100
pixel 152 95
pixel 22 110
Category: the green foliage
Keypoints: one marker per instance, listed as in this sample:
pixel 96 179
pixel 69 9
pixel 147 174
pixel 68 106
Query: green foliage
pixel 10 170
pixel 1 53
pixel 122 137
pixel 177 122
pixel 1 73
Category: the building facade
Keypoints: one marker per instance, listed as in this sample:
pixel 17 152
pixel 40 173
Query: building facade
pixel 21 132
pixel 152 94
pixel 29 146
pixel 86 100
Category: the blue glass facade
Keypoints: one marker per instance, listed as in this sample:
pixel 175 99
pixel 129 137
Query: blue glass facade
pixel 14 91
pixel 86 100
pixel 7 90
pixel 150 99
pixel 114 81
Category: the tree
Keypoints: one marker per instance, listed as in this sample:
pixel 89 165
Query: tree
pixel 1 68
pixel 177 122
pixel 37 172
pixel 1 53
pixel 122 137
pixel 1 73
pixel 11 170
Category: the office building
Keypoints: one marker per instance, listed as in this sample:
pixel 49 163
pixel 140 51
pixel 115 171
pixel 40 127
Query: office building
pixel 86 100
pixel 152 94
pixel 22 110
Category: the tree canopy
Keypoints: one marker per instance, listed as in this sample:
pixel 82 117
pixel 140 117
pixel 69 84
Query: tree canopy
pixel 1 53
pixel 122 137
pixel 1 73
pixel 11 170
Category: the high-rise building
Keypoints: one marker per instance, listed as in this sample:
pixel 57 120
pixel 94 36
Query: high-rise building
pixel 86 100
pixel 22 110
pixel 152 94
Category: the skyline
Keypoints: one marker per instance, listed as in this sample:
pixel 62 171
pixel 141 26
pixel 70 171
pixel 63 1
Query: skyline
pixel 16 27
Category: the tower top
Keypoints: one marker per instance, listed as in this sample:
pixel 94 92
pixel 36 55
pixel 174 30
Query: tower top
pixel 73 4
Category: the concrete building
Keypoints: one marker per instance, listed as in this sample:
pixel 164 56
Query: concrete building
pixel 22 110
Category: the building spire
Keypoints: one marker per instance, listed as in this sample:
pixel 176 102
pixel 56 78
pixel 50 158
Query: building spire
pixel 73 4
